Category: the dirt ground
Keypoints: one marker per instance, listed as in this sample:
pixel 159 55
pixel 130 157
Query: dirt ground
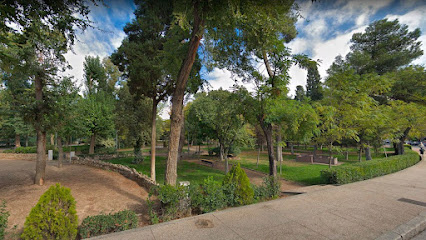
pixel 95 191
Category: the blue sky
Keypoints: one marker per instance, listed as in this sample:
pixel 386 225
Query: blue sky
pixel 324 32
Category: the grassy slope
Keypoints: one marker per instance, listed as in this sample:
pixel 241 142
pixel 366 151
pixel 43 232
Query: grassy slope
pixel 187 171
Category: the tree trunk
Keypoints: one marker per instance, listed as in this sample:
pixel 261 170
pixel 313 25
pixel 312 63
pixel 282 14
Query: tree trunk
pixel 17 141
pixel 26 141
pixel 279 147
pixel 226 161
pixel 221 151
pixel 399 150
pixel 41 134
pixel 182 137
pixel 292 148
pixel 331 155
pixel 52 140
pixel 92 144
pixel 315 152
pixel 60 151
pixel 178 95
pixel 367 153
pixel 137 151
pixel 41 158
pixel 153 137
pixel 360 153
pixel 384 151
pixel 267 130
pixel 258 155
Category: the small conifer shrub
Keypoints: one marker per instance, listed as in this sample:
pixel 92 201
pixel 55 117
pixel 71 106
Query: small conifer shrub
pixel 54 216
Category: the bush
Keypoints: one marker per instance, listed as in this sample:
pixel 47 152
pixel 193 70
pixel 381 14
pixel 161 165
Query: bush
pixel 4 214
pixel 408 146
pixel 104 224
pixel 22 150
pixel 208 197
pixel 54 216
pixel 243 191
pixel 270 189
pixel 233 151
pixel 369 169
pixel 174 201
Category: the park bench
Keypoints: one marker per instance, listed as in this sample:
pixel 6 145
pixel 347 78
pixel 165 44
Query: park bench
pixel 208 162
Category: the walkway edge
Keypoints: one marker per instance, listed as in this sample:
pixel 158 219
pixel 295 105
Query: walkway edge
pixel 407 230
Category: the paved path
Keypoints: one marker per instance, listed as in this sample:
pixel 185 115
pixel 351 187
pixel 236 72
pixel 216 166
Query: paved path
pixel 362 210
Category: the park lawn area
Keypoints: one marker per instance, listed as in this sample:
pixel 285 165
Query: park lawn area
pixel 309 174
pixel 187 171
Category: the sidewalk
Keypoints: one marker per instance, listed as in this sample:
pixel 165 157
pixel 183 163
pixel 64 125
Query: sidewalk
pixel 379 207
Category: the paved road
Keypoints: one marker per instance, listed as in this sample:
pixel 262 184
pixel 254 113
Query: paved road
pixel 379 207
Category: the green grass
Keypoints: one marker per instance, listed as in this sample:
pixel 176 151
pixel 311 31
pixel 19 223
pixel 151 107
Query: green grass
pixel 187 171
pixel 309 174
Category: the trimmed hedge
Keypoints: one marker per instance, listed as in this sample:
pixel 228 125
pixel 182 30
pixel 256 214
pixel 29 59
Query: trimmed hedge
pixel 104 224
pixel 369 169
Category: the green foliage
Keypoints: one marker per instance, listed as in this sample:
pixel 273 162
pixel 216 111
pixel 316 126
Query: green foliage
pixel 384 46
pixel 269 189
pixel 54 216
pixel 243 191
pixel 234 151
pixel 173 199
pixel 208 196
pixel 22 150
pixel 4 214
pixel 369 169
pixel 108 223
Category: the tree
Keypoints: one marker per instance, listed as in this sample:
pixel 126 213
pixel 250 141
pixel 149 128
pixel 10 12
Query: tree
pixel 409 85
pixel 300 93
pixel 384 47
pixel 97 113
pixel 313 83
pixel 220 116
pixel 47 30
pixel 258 37
pixel 151 55
pixel 65 94
pixel 133 119
pixel 98 105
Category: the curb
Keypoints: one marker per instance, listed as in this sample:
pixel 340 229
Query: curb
pixel 407 230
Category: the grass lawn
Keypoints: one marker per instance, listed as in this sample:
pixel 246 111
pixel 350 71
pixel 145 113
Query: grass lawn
pixel 187 171
pixel 308 174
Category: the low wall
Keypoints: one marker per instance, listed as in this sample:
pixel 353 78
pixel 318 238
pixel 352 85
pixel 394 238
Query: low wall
pixel 19 156
pixel 130 173
pixel 318 159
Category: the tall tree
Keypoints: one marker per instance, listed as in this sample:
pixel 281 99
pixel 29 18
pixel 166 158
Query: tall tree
pixel 313 83
pixel 384 47
pixel 133 119
pixel 151 55
pixel 300 93
pixel 220 115
pixel 47 29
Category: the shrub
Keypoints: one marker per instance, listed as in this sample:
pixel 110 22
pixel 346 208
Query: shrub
pixel 243 191
pixel 369 169
pixel 233 151
pixel 22 150
pixel 174 201
pixel 269 189
pixel 104 224
pixel 54 216
pixel 208 196
pixel 4 214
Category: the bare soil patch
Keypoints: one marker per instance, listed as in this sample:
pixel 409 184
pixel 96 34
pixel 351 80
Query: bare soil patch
pixel 95 191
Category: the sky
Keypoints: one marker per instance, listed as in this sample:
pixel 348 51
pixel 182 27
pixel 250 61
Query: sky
pixel 324 32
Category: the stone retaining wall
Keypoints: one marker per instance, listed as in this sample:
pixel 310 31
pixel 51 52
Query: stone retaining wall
pixel 19 156
pixel 130 173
